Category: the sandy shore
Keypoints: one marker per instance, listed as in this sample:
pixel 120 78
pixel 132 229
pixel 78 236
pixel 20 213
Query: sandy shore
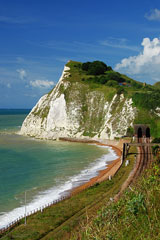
pixel 111 169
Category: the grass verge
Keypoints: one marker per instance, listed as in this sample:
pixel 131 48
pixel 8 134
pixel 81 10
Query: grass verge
pixel 135 216
pixel 63 219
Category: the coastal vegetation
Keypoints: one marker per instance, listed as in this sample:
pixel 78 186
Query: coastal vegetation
pixel 92 214
pixel 135 216
pixel 95 101
pixel 91 78
pixel 62 220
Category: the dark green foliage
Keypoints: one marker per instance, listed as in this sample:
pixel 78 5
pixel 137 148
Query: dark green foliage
pixel 120 90
pixel 85 66
pixel 112 83
pixel 136 204
pixel 128 80
pixel 77 65
pixel 137 85
pixel 102 79
pixel 94 68
pixel 155 149
pixel 109 68
pixel 156 140
pixel 103 73
pixel 111 75
pixel 97 68
pixel 130 132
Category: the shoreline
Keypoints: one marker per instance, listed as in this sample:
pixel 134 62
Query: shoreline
pixel 109 171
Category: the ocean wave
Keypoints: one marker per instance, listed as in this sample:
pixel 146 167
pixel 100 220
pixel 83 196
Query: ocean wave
pixel 56 192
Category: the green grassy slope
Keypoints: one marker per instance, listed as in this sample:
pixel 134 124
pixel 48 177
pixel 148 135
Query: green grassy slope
pixel 58 221
pixel 138 211
pixel 146 98
pixel 89 93
pixel 135 216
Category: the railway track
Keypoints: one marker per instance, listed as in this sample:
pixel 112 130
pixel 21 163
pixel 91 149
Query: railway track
pixel 143 161
pixel 144 157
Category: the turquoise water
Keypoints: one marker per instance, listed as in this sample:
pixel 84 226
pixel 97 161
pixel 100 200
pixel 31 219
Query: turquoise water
pixel 45 169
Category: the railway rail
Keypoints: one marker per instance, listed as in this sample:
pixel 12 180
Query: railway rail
pixel 143 160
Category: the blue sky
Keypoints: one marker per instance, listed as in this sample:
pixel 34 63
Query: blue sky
pixel 37 38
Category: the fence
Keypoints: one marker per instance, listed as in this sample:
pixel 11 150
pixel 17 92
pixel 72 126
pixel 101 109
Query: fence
pixel 40 209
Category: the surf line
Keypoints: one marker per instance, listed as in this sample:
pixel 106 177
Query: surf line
pixel 109 171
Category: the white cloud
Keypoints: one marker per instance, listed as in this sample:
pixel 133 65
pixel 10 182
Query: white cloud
pixel 42 83
pixel 154 15
pixel 118 43
pixel 22 73
pixel 146 62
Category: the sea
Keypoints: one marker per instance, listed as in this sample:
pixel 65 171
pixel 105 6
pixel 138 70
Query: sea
pixel 42 170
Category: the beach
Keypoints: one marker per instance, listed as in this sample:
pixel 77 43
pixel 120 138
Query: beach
pixel 47 170
pixel 111 167
pixel 62 173
pixel 109 171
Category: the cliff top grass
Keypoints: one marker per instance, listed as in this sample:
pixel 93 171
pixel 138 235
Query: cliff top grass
pixel 145 97
pixel 104 77
pixel 99 82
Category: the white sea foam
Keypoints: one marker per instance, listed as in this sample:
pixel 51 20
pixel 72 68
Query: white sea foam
pixel 57 192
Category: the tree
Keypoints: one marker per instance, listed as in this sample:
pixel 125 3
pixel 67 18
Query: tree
pixel 111 75
pixel 109 68
pixel 94 68
pixel 85 66
pixel 97 68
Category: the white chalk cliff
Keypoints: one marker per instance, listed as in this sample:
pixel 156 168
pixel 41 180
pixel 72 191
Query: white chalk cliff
pixel 73 109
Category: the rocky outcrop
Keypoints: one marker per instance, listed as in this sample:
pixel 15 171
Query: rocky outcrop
pixel 74 109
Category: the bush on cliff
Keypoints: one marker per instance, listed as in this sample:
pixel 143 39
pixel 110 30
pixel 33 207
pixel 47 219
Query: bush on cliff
pixel 112 83
pixel 94 68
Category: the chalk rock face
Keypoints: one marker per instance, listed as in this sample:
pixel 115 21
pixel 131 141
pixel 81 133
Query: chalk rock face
pixel 74 109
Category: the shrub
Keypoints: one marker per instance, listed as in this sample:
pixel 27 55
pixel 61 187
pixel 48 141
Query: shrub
pixel 85 66
pixel 130 131
pixel 109 68
pixel 94 68
pixel 112 83
pixel 120 90
pixel 111 75
pixel 155 149
pixel 136 85
pixel 103 79
pixel 156 140
pixel 136 204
